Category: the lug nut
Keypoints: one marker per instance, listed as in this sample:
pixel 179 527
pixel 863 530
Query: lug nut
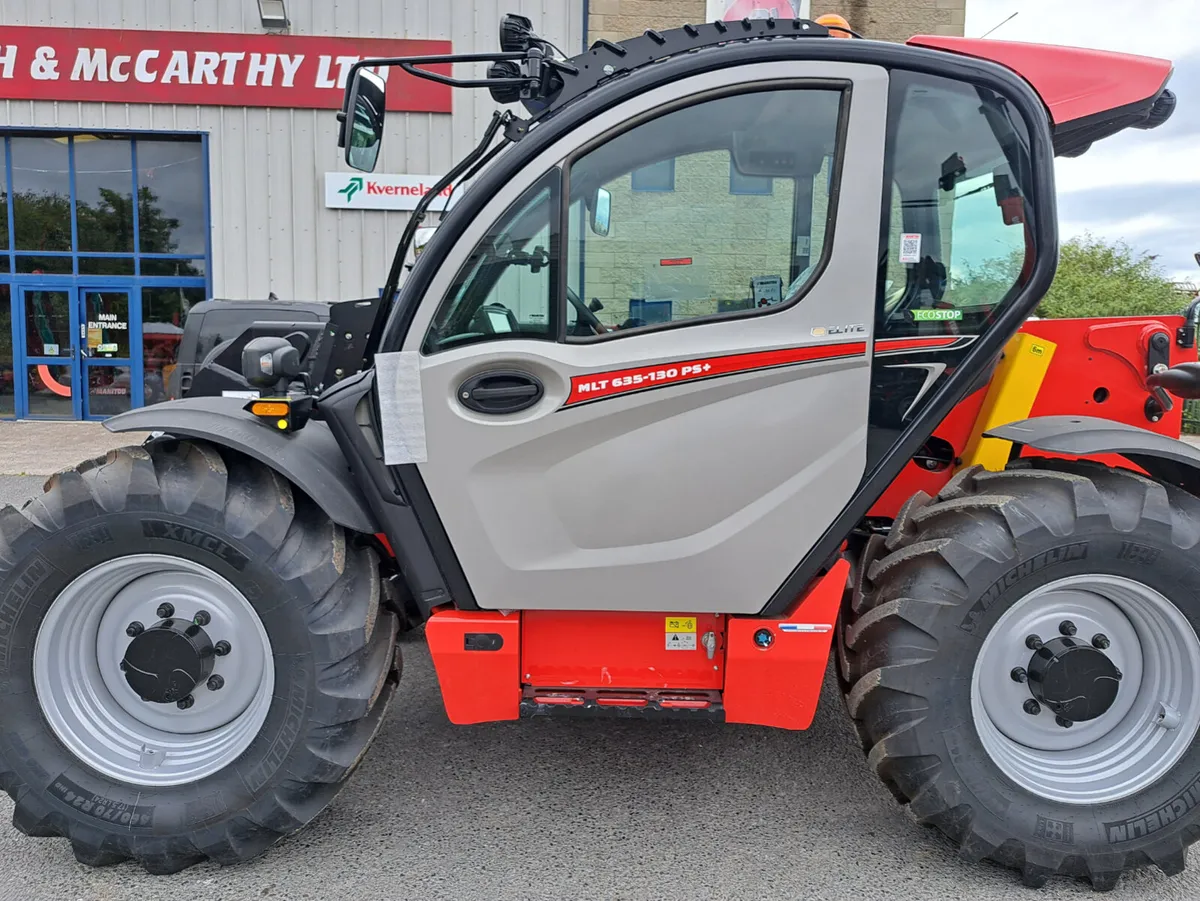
pixel 1100 640
pixel 1033 642
pixel 134 629
pixel 763 638
pixel 1064 722
pixel 1032 707
pixel 221 648
pixel 215 683
pixel 186 703
pixel 202 618
pixel 165 611
pixel 1018 674
pixel 1066 627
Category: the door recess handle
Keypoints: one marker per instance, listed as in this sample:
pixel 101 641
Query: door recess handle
pixel 500 391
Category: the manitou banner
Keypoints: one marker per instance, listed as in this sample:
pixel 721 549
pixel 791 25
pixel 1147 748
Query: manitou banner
pixel 732 10
pixel 204 68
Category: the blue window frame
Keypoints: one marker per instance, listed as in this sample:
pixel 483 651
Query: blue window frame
pixel 140 223
pixel 656 178
pixel 748 184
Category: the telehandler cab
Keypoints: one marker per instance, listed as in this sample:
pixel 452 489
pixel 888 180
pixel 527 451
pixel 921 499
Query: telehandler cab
pixel 723 361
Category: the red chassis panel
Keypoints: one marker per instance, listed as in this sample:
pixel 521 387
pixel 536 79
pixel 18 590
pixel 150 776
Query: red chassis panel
pixel 621 650
pixel 486 662
pixel 477 656
pixel 779 685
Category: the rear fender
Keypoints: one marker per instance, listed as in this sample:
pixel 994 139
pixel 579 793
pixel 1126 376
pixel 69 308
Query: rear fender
pixel 1166 459
pixel 310 458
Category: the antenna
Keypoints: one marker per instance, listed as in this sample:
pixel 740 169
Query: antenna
pixel 1005 22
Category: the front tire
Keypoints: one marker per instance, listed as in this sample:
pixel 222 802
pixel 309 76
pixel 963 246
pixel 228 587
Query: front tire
pixel 282 662
pixel 960 622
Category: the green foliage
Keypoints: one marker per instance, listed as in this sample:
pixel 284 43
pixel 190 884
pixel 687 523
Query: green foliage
pixel 1095 278
pixel 1098 278
pixel 104 227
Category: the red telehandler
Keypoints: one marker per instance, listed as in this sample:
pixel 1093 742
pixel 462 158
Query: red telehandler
pixel 723 363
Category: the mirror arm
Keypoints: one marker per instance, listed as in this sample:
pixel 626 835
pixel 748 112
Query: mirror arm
pixel 499 120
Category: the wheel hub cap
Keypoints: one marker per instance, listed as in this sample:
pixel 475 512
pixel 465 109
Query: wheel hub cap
pixel 1075 680
pixel 165 663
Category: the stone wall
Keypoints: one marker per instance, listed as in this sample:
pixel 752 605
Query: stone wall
pixel 885 20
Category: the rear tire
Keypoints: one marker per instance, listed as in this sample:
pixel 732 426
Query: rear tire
pixel 926 649
pixel 309 600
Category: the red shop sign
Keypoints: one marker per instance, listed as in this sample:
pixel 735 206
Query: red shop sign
pixel 205 68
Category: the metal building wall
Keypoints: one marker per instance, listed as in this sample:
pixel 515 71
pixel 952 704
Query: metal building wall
pixel 271 230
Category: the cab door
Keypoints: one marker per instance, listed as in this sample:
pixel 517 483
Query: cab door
pixel 643 371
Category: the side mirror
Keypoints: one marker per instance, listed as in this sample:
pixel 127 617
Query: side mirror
pixel 363 127
pixel 595 306
pixel 601 212
pixel 421 238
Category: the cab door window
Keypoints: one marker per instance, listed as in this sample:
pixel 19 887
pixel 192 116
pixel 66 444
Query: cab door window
pixel 955 246
pixel 707 245
pixel 506 288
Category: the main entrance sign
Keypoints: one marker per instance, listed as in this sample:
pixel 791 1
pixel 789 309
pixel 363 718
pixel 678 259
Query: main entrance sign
pixel 204 68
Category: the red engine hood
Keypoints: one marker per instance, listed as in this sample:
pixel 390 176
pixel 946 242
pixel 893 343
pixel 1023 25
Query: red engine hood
pixel 1089 94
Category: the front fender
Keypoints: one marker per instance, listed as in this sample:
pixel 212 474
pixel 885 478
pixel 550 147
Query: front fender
pixel 310 458
pixel 1167 459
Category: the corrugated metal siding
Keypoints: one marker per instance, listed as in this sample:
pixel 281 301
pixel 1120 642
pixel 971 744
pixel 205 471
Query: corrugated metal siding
pixel 271 230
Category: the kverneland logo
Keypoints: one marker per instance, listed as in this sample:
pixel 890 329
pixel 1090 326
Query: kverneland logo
pixel 352 187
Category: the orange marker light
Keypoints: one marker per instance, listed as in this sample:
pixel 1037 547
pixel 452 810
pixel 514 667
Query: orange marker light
pixel 269 408
pixel 833 22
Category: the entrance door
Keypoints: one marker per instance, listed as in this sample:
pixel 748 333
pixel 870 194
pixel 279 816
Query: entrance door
pixel 110 365
pixel 48 377
pixel 79 361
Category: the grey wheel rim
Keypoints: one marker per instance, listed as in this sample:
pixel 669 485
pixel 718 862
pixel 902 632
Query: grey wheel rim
pixel 1141 736
pixel 95 712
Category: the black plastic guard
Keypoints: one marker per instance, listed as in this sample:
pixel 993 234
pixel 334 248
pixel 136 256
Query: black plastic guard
pixel 310 458
pixel 1167 459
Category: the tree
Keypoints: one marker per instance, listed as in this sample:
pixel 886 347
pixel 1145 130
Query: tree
pixel 1095 278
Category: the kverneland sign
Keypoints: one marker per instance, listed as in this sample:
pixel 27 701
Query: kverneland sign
pixel 204 68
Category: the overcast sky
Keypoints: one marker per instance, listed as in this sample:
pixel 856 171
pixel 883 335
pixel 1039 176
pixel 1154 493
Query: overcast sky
pixel 1140 186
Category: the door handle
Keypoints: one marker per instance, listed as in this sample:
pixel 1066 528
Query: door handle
pixel 500 391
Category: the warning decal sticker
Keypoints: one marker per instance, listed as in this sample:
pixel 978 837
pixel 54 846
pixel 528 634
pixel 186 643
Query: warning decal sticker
pixel 600 385
pixel 910 248
pixel 681 641
pixel 681 633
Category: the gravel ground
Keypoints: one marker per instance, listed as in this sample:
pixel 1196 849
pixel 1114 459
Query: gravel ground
pixel 571 810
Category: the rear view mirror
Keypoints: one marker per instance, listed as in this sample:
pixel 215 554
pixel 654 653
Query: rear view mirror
pixel 364 124
pixel 601 212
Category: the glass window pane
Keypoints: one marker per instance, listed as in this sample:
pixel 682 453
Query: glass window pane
pixel 50 391
pixel 3 200
pixel 713 243
pixel 7 385
pixel 173 268
pixel 106 265
pixel 108 390
pixel 172 200
pixel 44 265
pixel 41 193
pixel 104 194
pixel 107 315
pixel 504 288
pixel 48 323
pixel 163 313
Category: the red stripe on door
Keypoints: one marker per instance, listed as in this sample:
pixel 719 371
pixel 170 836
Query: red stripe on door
pixel 895 345
pixel 598 385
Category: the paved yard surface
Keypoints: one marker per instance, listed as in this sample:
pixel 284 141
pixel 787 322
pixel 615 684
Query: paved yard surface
pixel 573 810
